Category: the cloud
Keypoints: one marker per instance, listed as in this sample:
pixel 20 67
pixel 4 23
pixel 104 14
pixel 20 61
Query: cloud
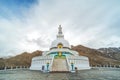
pixel 91 23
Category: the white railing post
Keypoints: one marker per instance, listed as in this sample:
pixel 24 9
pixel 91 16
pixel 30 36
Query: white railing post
pixel 5 68
pixel 11 67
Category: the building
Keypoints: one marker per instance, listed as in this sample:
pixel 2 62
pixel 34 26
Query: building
pixel 60 57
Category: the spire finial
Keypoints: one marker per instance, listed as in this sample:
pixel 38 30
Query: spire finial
pixel 60 34
pixel 60 30
pixel 60 25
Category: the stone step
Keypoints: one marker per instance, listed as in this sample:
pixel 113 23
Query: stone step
pixel 59 65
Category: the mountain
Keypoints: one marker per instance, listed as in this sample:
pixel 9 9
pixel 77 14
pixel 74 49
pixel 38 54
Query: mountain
pixel 102 56
pixel 111 52
pixel 95 56
pixel 23 59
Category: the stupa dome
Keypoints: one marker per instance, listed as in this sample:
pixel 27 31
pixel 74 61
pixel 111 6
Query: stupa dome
pixel 60 40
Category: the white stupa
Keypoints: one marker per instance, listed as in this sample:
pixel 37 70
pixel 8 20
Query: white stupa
pixel 60 57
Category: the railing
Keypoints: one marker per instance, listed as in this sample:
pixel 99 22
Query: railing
pixel 69 66
pixel 50 68
pixel 14 68
pixel 105 66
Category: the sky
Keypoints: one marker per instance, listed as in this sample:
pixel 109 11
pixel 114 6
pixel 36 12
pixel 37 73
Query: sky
pixel 29 25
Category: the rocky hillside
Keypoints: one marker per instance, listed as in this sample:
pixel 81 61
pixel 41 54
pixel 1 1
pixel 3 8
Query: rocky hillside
pixel 111 52
pixel 96 57
pixel 23 59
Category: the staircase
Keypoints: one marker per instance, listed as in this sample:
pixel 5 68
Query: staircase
pixel 60 65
